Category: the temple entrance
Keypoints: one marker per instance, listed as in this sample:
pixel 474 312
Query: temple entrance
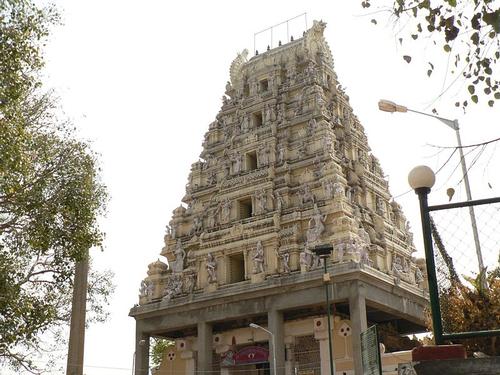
pixel 254 369
pixel 249 360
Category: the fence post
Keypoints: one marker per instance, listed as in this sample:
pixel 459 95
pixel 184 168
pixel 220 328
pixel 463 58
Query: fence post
pixel 437 325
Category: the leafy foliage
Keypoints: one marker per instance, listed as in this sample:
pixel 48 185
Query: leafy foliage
pixel 50 195
pixel 469 308
pixel 465 31
pixel 469 305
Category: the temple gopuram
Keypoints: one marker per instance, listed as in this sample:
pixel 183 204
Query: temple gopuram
pixel 285 168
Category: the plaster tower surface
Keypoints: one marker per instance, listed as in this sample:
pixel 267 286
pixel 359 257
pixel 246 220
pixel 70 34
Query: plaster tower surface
pixel 285 167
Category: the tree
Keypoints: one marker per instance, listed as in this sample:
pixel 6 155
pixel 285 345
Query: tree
pixel 465 31
pixel 51 195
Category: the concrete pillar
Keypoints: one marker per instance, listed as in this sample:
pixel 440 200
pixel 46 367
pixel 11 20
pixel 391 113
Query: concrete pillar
pixel 324 354
pixel 77 326
pixel 357 311
pixel 276 325
pixel 204 347
pixel 141 354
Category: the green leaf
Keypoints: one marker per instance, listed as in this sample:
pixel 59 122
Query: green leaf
pixel 447 48
pixel 491 103
pixel 474 98
pixel 407 58
pixel 471 89
pixel 497 95
pixel 452 3
pixel 374 21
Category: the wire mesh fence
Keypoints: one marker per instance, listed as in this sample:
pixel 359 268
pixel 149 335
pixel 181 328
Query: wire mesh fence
pixel 466 246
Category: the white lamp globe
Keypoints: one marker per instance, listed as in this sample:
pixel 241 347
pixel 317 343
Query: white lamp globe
pixel 421 177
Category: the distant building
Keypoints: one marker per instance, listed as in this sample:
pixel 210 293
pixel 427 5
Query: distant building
pixel 285 167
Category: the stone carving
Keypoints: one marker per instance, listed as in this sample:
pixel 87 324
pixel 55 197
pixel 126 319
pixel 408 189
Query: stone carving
pixel 263 157
pixel 211 268
pixel 302 149
pixel 284 258
pixel 308 260
pixel 244 125
pixel 379 206
pixel 269 114
pixel 400 270
pixel 226 210
pixel 316 226
pixel 419 277
pixel 190 282
pixel 236 67
pixel 173 287
pixel 258 259
pixel 237 161
pixel 197 225
pixel 306 196
pixel 146 289
pixel 177 265
pixel 281 113
pixel 279 202
pixel 260 201
pixel 311 127
pixel 280 157
pixel 212 177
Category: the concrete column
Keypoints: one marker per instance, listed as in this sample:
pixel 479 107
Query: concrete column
pixel 204 347
pixel 357 311
pixel 77 326
pixel 324 354
pixel 141 354
pixel 276 325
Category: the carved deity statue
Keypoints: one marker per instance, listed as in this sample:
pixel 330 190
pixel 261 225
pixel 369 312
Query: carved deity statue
pixel 178 264
pixel 245 124
pixel 280 157
pixel 279 201
pixel 311 127
pixel 173 287
pixel 419 277
pixel 197 224
pixel 226 210
pixel 258 258
pixel 237 161
pixel 306 196
pixel 143 291
pixel 316 226
pixel 211 268
pixel 263 158
pixel 260 201
pixel 285 260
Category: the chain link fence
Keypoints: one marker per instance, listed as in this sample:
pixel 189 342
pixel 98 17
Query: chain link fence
pixel 466 250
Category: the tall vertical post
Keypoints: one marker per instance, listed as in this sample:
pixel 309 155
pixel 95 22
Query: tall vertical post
pixel 472 215
pixel 326 279
pixel 437 326
pixel 77 326
pixel 141 355
pixel 204 347
pixel 357 313
pixel 275 323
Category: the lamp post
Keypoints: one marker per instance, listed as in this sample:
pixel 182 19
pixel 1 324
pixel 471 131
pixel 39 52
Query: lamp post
pixel 388 106
pixel 422 179
pixel 324 253
pixel 256 326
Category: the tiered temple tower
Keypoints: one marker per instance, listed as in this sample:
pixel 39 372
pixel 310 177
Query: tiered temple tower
pixel 285 167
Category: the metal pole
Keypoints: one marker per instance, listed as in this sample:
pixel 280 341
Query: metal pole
pixel 332 364
pixel 471 208
pixel 431 267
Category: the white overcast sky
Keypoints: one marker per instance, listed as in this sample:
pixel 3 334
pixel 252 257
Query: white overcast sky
pixel 142 81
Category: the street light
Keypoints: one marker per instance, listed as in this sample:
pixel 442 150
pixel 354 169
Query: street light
pixel 256 326
pixel 324 252
pixel 422 179
pixel 388 106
